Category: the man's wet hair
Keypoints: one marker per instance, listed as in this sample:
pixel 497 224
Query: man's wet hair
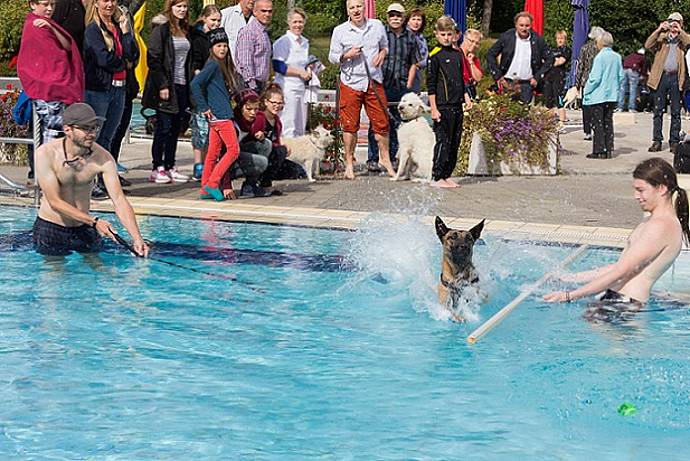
pixel 658 172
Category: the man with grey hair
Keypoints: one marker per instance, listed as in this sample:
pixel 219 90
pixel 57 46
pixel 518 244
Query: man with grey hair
pixel 234 18
pixel 359 46
pixel 668 43
pixel 584 65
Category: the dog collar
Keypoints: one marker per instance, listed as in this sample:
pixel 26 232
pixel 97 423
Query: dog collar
pixel 450 285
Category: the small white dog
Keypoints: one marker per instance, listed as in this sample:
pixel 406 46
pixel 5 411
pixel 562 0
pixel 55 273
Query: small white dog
pixel 309 150
pixel 415 139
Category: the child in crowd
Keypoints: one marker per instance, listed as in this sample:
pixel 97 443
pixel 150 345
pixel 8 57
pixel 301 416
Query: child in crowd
pixel 446 95
pixel 209 19
pixel 252 151
pixel 211 89
pixel 268 126
pixel 554 88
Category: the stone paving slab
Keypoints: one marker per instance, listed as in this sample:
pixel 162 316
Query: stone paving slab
pixel 594 193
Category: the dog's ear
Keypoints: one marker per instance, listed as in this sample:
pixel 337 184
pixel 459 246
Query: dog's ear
pixel 426 108
pixel 441 228
pixel 476 231
pixel 316 133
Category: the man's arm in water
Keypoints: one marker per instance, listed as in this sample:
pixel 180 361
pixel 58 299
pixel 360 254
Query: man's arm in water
pixel 647 246
pixel 50 187
pixel 123 209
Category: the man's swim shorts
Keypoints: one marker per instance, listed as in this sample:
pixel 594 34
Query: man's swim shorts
pixel 52 239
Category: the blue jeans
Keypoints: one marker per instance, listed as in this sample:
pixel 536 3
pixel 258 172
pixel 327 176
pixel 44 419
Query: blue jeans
pixel 109 104
pixel 393 95
pixel 630 81
pixel 668 87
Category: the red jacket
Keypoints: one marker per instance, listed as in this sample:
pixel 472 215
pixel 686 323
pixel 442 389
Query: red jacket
pixel 261 124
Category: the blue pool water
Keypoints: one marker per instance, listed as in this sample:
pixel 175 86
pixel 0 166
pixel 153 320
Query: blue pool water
pixel 329 345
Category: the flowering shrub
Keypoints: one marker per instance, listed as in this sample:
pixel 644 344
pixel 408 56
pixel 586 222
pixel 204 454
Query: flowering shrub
pixel 327 115
pixel 11 153
pixel 512 132
pixel 8 128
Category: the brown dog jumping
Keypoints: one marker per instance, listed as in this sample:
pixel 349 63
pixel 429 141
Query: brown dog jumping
pixel 457 269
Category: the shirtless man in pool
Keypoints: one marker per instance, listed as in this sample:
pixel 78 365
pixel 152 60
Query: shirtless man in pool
pixel 651 249
pixel 65 171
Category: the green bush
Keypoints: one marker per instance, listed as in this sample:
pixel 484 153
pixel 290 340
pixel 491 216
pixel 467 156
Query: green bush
pixel 558 16
pixel 12 15
pixel 630 26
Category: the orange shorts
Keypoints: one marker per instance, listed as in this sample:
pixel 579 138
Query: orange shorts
pixel 351 105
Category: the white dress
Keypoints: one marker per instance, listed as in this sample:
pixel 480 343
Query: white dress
pixel 294 52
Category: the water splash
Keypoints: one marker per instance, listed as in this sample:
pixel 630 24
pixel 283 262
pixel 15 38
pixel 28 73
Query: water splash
pixel 404 252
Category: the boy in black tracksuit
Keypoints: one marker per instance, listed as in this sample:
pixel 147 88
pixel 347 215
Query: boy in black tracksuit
pixel 446 96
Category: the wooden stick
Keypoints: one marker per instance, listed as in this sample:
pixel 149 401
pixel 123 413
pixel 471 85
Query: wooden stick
pixel 500 315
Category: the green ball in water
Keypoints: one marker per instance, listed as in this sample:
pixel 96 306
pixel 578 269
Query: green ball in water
pixel 627 409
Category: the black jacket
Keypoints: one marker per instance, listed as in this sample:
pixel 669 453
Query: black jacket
pixel 160 58
pixel 70 15
pixel 99 63
pixel 541 61
pixel 200 48
pixel 444 77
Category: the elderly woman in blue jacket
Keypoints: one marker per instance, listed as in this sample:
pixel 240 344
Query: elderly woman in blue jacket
pixel 601 94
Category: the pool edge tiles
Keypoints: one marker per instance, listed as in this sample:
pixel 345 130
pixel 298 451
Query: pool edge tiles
pixel 350 220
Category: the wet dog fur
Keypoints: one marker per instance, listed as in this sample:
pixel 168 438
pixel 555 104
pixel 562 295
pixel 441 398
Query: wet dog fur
pixel 457 269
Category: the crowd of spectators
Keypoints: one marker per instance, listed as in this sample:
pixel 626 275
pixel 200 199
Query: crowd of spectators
pixel 73 53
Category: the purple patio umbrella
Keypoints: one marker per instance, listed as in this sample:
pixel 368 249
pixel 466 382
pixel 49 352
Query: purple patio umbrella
pixel 580 31
pixel 456 10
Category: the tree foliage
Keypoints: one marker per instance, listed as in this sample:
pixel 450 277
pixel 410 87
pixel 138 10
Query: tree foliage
pixel 12 15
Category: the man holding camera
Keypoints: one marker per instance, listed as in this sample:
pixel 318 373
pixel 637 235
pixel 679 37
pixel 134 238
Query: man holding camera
pixel 668 42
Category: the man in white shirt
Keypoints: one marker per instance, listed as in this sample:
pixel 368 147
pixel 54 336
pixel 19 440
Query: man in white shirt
pixel 525 58
pixel 233 18
pixel 359 46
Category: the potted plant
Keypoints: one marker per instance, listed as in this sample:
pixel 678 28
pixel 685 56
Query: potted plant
pixel 504 136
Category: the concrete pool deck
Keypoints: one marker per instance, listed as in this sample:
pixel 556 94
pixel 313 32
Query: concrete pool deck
pixel 591 202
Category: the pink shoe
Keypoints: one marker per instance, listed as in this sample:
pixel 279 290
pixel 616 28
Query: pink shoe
pixel 159 176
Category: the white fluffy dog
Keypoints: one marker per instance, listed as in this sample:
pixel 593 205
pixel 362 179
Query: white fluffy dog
pixel 309 150
pixel 416 141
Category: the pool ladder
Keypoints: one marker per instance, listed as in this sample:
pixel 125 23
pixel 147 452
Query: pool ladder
pixel 21 190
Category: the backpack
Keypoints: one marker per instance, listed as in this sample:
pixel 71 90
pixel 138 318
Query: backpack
pixel 21 112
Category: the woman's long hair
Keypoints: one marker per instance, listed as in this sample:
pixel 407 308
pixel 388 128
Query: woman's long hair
pixel 177 28
pixel 657 171
pixel 227 68
pixel 92 15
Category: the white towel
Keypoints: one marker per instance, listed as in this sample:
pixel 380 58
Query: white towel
pixel 311 94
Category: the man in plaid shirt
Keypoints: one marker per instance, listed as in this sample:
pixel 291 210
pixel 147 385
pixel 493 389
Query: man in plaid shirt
pixel 253 55
pixel 399 71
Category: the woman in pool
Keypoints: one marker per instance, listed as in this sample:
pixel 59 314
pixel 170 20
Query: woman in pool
pixel 652 247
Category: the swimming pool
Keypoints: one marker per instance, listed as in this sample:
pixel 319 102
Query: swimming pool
pixel 328 346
